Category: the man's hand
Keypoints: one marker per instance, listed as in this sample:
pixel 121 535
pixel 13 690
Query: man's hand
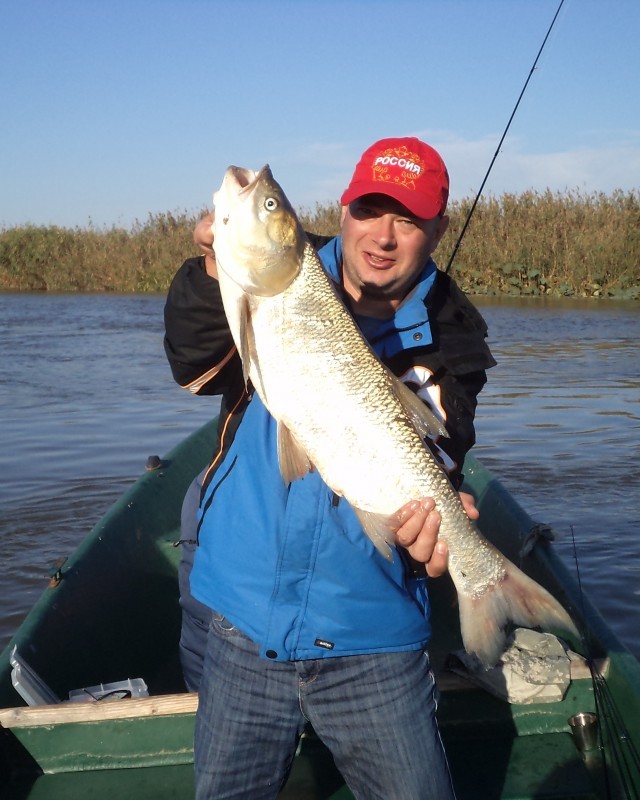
pixel 203 237
pixel 417 531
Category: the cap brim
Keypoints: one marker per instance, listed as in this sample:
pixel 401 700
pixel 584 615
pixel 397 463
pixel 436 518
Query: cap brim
pixel 419 205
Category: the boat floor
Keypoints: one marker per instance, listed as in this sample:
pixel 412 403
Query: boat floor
pixel 495 769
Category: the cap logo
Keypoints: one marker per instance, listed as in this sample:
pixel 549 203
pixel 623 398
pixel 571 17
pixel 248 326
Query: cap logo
pixel 404 163
pixel 398 164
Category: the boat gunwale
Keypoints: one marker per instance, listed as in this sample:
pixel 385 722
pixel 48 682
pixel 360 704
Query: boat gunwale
pixel 187 703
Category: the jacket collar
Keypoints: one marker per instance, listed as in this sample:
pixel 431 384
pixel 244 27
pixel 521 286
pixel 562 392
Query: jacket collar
pixel 409 327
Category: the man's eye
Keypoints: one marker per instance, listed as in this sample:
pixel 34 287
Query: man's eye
pixel 363 212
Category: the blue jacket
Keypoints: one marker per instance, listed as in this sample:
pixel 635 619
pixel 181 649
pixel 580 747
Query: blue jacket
pixel 289 565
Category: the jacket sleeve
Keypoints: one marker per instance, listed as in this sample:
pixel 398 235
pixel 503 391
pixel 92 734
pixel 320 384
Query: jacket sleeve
pixel 461 392
pixel 461 358
pixel 198 343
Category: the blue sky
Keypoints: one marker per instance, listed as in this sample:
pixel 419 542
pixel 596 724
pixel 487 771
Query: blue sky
pixel 115 109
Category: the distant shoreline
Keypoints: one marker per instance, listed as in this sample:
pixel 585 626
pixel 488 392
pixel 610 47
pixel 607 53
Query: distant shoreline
pixel 530 245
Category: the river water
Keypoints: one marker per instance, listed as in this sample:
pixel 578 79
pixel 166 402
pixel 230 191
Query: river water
pixel 86 395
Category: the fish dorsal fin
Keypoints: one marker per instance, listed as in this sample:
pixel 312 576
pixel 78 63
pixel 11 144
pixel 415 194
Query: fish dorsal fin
pixel 293 459
pixel 424 420
pixel 380 529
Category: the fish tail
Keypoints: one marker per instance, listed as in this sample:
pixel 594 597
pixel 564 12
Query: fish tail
pixel 517 599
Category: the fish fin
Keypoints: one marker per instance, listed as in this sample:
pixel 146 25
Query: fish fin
pixel 248 349
pixel 425 421
pixel 293 459
pixel 378 528
pixel 246 337
pixel 516 598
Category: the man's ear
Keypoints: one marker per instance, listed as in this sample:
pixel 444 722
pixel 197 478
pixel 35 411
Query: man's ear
pixel 441 229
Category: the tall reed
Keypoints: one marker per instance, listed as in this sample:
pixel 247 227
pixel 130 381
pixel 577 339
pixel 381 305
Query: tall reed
pixel 535 243
pixel 549 243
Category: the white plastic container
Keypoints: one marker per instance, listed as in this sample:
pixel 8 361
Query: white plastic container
pixel 29 685
pixel 35 692
pixel 103 692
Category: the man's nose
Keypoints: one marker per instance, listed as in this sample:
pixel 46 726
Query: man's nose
pixel 384 233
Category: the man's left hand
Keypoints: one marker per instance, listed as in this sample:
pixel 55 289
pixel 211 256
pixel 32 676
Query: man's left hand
pixel 418 528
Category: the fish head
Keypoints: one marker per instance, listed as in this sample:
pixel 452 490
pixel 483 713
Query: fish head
pixel 257 238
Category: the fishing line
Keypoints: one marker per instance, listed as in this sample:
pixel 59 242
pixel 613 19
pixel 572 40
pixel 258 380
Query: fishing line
pixel 610 721
pixel 495 155
pixel 585 635
pixel 624 752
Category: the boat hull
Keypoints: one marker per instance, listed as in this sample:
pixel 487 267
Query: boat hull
pixel 115 615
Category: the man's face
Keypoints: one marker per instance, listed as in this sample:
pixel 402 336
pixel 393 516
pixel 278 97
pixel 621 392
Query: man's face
pixel 384 248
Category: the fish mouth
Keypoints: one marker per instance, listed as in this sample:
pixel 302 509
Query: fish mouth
pixel 243 181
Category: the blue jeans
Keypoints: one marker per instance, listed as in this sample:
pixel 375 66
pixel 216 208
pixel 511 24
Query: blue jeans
pixel 375 713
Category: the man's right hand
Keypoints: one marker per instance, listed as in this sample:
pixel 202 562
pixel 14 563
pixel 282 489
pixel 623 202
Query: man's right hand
pixel 203 237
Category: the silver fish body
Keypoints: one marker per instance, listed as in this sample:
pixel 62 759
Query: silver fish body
pixel 340 410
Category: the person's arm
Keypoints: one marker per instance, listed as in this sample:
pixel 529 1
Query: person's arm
pixel 459 393
pixel 198 342
pixel 461 361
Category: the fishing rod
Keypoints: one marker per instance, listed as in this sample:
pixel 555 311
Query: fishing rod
pixel 495 155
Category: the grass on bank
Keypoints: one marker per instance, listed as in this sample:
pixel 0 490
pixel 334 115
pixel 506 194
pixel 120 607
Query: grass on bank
pixel 571 244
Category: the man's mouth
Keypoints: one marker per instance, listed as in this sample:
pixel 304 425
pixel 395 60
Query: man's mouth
pixel 378 261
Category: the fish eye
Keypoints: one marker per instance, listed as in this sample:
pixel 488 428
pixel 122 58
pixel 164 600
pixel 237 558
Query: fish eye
pixel 271 204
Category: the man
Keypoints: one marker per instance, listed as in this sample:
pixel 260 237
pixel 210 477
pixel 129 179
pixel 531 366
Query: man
pixel 310 623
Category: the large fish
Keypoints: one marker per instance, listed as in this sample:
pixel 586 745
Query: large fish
pixel 340 410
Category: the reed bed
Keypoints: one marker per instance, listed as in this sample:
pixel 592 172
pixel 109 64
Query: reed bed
pixel 570 244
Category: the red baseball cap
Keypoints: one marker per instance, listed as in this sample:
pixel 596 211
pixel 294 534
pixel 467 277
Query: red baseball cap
pixel 408 170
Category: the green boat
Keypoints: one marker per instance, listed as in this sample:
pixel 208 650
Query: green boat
pixel 110 619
